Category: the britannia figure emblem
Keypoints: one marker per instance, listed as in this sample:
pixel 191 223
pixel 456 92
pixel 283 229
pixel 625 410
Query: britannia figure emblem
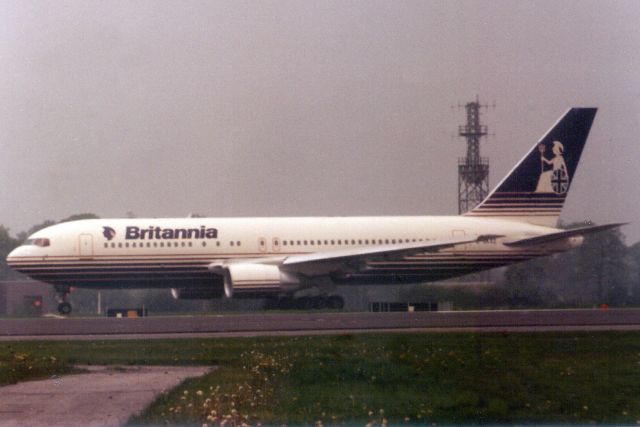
pixel 554 177
pixel 108 232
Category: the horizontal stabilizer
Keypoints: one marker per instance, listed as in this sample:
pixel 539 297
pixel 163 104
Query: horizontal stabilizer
pixel 553 237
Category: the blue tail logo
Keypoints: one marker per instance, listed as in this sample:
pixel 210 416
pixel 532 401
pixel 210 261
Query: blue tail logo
pixel 554 177
pixel 535 190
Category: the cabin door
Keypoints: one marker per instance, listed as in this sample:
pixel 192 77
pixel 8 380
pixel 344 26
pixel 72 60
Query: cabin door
pixel 85 245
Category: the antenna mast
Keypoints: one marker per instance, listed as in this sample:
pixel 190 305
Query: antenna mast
pixel 473 170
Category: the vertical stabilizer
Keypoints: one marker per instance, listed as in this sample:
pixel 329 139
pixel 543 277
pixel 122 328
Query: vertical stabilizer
pixel 535 190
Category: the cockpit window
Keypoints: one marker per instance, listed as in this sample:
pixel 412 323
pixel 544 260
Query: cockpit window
pixel 42 242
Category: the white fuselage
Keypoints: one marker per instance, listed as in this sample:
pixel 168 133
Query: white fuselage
pixel 122 253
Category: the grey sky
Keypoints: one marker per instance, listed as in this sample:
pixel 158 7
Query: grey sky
pixel 278 108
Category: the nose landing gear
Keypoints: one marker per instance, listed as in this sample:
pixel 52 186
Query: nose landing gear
pixel 64 307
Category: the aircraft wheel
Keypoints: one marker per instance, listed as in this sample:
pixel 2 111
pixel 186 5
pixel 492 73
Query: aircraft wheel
pixel 303 303
pixel 271 304
pixel 320 303
pixel 285 303
pixel 335 302
pixel 64 308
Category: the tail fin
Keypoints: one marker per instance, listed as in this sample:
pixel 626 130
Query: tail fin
pixel 535 190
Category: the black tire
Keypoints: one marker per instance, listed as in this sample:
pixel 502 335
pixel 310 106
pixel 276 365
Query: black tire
pixel 303 303
pixel 64 308
pixel 271 304
pixel 335 302
pixel 285 303
pixel 319 303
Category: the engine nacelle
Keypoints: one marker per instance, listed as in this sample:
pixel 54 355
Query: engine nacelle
pixel 257 280
pixel 198 293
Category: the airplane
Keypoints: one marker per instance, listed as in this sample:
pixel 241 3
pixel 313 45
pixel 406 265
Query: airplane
pixel 280 257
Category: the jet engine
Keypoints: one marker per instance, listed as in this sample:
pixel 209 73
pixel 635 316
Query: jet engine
pixel 257 280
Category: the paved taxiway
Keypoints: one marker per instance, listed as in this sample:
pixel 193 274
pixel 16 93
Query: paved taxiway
pixel 102 397
pixel 318 323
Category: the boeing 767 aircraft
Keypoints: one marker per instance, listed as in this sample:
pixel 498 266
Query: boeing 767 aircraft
pixel 278 257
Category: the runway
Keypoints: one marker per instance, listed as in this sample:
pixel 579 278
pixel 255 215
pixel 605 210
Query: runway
pixel 314 323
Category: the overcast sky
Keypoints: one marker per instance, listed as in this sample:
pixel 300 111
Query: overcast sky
pixel 279 108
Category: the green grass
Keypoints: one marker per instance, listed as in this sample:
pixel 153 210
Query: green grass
pixel 356 379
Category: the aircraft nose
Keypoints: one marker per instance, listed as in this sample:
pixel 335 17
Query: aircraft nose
pixel 12 257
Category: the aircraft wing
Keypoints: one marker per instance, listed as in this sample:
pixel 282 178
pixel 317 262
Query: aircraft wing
pixel 552 237
pixel 324 262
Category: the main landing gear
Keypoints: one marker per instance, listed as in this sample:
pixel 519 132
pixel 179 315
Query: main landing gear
pixel 320 302
pixel 64 307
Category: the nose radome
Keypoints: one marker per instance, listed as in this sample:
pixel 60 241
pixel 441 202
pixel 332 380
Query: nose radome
pixel 12 256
